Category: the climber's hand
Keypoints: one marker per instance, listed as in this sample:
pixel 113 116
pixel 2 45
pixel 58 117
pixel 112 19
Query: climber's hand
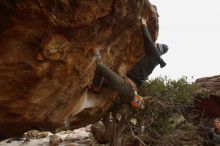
pixel 143 21
pixel 97 55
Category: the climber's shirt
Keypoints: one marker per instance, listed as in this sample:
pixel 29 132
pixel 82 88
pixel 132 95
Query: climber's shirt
pixel 141 70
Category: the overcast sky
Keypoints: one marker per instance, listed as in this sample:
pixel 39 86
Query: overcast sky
pixel 191 28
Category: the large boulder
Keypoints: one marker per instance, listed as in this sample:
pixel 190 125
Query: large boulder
pixel 47 58
pixel 208 97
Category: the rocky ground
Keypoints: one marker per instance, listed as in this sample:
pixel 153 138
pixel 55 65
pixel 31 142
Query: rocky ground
pixel 79 137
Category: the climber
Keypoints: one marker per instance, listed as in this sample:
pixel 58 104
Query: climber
pixel 136 75
pixel 214 134
pixel 142 69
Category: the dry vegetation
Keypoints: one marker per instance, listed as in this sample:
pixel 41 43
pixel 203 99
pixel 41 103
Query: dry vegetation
pixel 165 120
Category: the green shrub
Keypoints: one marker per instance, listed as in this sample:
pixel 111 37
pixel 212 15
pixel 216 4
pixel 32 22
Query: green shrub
pixel 177 95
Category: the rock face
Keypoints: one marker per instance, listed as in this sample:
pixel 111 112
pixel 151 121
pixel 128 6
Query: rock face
pixel 47 58
pixel 209 97
pixel 99 132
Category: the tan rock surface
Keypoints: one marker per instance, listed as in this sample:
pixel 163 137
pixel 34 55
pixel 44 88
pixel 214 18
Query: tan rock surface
pixel 47 51
pixel 210 85
pixel 208 97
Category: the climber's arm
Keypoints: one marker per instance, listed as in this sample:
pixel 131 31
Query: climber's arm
pixel 146 34
pixel 148 43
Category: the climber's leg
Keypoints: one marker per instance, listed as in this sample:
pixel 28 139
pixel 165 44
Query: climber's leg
pixel 111 79
pixel 98 82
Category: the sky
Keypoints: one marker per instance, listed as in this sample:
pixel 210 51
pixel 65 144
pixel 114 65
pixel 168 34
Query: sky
pixel 191 29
